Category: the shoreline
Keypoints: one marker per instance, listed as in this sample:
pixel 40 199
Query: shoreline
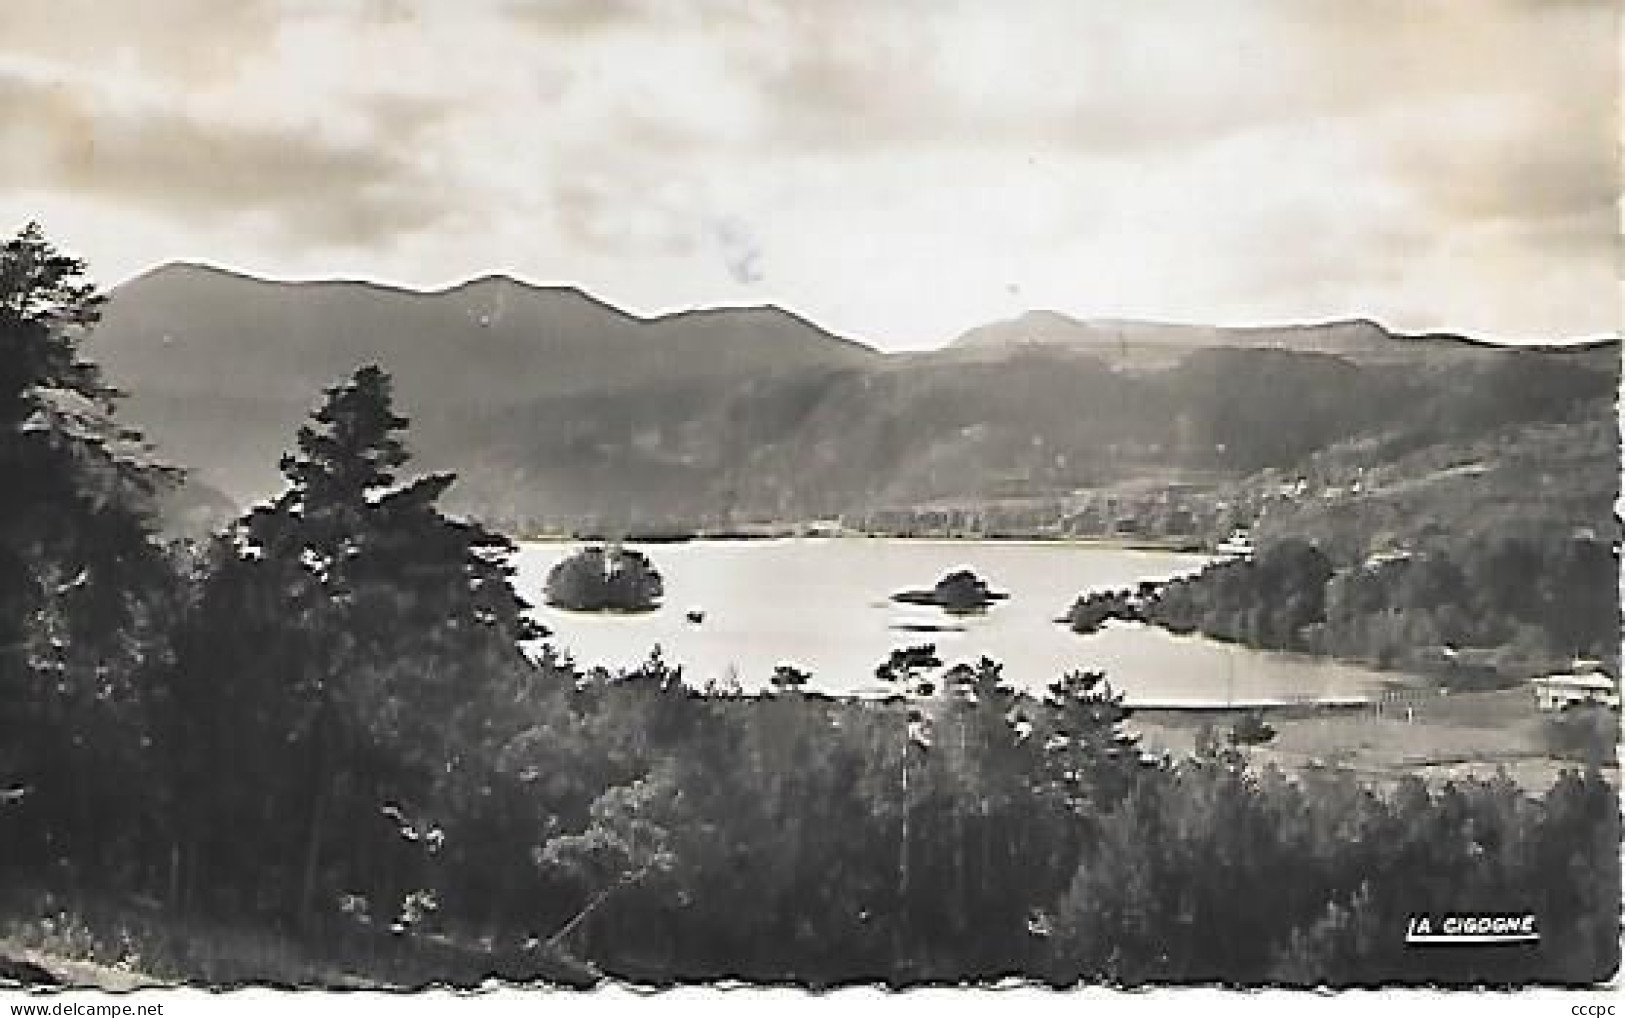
pixel 1181 547
pixel 1438 739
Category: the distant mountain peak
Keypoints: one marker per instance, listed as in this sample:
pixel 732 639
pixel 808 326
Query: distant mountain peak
pixel 181 270
pixel 492 281
pixel 1141 344
pixel 1086 328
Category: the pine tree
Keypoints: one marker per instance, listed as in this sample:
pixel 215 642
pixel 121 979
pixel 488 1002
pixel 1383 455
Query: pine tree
pixel 1089 759
pixel 81 574
pixel 374 619
pixel 78 485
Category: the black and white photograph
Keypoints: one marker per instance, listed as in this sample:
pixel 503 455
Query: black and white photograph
pixel 525 497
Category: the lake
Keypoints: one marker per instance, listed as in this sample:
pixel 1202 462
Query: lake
pixel 823 604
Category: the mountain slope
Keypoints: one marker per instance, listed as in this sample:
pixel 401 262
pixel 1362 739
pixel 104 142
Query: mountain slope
pixel 222 367
pixel 1141 344
pixel 560 411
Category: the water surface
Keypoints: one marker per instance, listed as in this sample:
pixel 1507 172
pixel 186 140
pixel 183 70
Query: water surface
pixel 824 605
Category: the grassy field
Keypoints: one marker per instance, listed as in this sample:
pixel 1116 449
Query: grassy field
pixel 1438 737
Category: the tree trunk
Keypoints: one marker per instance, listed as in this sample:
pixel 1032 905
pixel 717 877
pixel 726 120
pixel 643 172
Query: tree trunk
pixel 321 797
pixel 313 851
pixel 173 892
pixel 900 948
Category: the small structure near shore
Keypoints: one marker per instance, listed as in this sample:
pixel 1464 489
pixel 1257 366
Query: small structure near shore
pixel 1572 689
pixel 1239 545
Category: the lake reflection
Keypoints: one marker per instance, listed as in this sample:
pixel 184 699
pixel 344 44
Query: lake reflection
pixel 823 605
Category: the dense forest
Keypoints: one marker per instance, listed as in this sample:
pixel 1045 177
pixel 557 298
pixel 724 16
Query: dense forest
pixel 326 744
pixel 1487 610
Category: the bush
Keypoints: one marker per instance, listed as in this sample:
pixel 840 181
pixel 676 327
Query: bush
pixel 1585 732
pixel 1252 730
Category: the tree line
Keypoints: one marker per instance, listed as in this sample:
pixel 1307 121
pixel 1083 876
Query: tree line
pixel 1536 603
pixel 333 722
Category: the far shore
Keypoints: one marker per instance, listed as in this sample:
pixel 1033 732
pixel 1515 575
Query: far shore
pixel 1185 546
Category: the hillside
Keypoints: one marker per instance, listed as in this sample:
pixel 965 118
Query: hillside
pixel 561 412
pixel 1126 343
pixel 222 366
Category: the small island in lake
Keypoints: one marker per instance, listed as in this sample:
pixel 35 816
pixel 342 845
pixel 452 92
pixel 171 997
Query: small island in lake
pixel 961 592
pixel 602 578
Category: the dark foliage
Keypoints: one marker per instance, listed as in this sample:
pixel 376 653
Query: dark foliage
pixel 1539 602
pixel 960 592
pixel 334 725
pixel 1093 610
pixel 84 586
pixel 597 578
pixel 1251 730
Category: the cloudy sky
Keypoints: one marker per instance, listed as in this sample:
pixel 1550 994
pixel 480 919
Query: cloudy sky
pixel 898 170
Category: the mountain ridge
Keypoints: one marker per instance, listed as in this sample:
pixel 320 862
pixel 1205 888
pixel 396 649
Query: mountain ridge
pixel 210 354
pixel 553 405
pixel 973 336
pixel 1134 339
pixel 484 281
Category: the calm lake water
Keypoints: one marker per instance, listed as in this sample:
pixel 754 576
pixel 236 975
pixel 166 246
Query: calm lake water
pixel 823 605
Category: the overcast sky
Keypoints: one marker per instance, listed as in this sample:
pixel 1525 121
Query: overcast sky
pixel 896 170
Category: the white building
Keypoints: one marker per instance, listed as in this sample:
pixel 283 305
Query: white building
pixel 1555 692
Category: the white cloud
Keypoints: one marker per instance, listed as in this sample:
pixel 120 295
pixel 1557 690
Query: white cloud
pixel 899 172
